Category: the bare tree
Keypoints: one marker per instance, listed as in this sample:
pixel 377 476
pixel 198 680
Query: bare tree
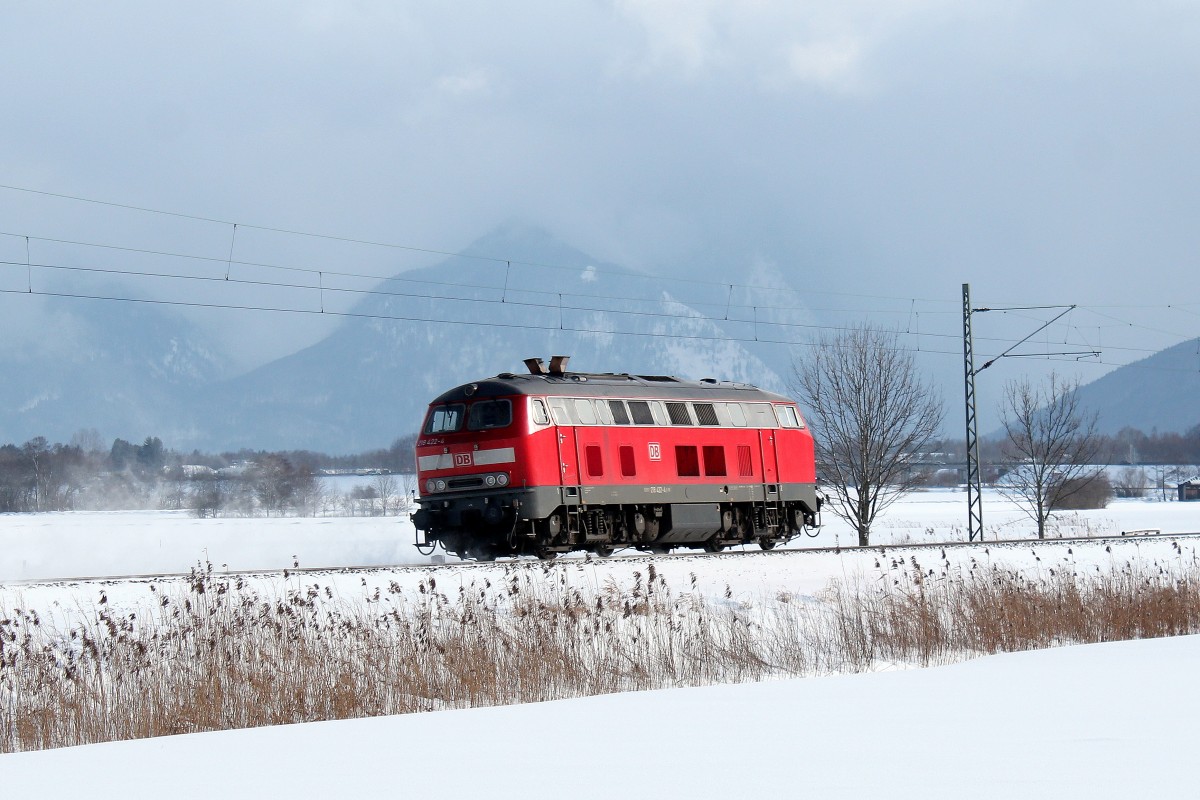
pixel 385 487
pixel 870 413
pixel 1131 482
pixel 1051 444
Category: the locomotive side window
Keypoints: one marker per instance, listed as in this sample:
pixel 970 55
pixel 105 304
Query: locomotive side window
pixel 558 407
pixel 640 410
pixel 659 412
pixel 585 412
pixel 686 462
pixel 787 416
pixel 619 414
pixel 714 460
pixel 540 415
pixel 488 414
pixel 761 415
pixel 603 412
pixel 678 412
pixel 736 415
pixel 628 466
pixel 445 419
pixel 595 461
pixel 706 414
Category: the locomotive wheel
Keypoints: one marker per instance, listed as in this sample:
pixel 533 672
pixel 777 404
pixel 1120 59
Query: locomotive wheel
pixel 767 544
pixel 545 554
pixel 604 550
pixel 713 545
pixel 659 549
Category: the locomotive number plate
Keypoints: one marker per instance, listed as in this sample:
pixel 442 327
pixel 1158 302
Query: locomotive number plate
pixel 655 452
pixel 462 459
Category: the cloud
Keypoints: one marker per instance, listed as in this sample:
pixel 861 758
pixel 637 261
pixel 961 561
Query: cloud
pixel 472 81
pixel 822 43
pixel 830 64
pixel 677 33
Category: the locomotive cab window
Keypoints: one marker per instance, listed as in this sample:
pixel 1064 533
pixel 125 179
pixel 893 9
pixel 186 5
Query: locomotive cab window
pixel 488 414
pixel 787 416
pixel 540 415
pixel 445 419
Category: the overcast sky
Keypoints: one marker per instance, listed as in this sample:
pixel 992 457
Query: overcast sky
pixel 1044 152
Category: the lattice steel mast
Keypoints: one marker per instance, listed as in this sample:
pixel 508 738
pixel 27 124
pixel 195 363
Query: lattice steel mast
pixel 974 496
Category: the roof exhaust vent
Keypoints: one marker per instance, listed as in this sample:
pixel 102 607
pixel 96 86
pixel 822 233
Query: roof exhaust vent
pixel 536 366
pixel 558 364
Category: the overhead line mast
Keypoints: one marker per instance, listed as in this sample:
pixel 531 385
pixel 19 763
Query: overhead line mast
pixel 974 488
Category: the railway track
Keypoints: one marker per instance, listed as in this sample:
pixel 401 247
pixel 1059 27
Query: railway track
pixel 635 558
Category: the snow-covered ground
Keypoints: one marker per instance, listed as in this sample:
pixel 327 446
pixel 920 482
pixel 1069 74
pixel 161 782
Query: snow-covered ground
pixel 1079 723
pixel 1113 720
pixel 85 543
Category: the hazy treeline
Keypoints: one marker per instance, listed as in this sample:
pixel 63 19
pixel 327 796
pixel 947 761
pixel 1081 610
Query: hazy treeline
pixel 84 474
pixel 1128 446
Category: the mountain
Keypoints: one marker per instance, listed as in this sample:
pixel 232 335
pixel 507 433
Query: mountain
pixel 124 367
pixel 1158 392
pixel 133 370
pixel 369 382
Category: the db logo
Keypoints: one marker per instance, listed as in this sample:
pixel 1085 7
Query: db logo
pixel 655 452
pixel 462 459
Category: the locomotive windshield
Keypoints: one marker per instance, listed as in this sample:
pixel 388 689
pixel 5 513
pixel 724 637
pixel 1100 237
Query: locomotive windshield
pixel 445 419
pixel 488 414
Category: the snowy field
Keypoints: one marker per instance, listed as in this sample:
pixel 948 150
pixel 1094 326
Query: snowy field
pixel 1078 723
pixel 37 547
pixel 1112 720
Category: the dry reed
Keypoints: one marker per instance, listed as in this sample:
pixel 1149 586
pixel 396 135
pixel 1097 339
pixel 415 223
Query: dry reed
pixel 223 654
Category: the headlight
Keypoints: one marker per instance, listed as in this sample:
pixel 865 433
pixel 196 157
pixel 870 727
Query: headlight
pixel 440 485
pixel 502 479
pixel 430 485
pixel 489 480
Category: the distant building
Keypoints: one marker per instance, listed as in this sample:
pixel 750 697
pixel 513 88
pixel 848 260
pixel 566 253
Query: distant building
pixel 1190 489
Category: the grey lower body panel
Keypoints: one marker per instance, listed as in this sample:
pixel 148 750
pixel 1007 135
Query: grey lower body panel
pixel 516 520
pixel 706 493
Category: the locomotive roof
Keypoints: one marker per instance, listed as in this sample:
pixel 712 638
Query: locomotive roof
pixel 583 384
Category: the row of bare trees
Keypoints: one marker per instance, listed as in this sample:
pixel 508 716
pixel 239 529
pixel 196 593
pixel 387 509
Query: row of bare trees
pixel 279 488
pixel 871 413
pixel 85 474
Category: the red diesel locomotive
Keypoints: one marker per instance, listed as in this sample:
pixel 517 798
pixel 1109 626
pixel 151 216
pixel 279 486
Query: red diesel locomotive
pixel 553 461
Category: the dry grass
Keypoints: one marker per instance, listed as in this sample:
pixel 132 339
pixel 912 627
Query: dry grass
pixel 223 654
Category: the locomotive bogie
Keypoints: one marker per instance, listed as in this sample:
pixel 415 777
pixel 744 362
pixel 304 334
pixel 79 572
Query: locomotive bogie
pixel 549 463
